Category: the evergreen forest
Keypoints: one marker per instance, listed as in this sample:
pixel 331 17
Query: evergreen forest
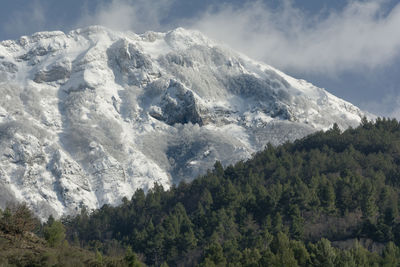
pixel 329 199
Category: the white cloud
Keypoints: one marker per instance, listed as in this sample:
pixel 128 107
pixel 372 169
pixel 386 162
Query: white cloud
pixel 359 36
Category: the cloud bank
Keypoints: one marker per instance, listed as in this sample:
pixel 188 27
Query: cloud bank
pixel 359 36
pixel 362 35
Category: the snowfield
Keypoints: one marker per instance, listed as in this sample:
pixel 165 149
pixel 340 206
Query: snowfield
pixel 88 117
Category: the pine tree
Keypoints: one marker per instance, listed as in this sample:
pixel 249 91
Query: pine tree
pixel 131 258
pixel 54 232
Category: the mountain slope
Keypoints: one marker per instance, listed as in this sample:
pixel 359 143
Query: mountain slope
pixel 90 116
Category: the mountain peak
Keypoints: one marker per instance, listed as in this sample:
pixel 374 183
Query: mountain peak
pixel 90 116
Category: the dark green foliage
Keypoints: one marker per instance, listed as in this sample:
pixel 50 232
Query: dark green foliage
pixel 54 232
pixel 299 204
pixel 131 258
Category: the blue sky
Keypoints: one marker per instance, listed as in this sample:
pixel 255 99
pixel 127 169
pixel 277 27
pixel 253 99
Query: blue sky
pixel 351 48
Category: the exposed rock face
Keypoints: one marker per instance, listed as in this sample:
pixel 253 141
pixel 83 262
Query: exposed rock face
pixel 55 72
pixel 177 105
pixel 88 117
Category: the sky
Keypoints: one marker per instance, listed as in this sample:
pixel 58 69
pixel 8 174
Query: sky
pixel 349 47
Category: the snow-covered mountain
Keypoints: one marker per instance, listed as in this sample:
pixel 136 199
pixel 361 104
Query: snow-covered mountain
pixel 90 116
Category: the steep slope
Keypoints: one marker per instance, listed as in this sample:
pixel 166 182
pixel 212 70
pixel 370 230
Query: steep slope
pixel 90 116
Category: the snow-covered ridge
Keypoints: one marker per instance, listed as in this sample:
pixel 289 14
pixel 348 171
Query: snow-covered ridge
pixel 89 116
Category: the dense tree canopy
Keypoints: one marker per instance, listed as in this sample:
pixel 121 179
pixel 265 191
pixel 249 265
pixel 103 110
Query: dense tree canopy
pixel 329 199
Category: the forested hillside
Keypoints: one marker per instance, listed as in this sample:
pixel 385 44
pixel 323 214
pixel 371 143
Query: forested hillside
pixel 24 241
pixel 330 199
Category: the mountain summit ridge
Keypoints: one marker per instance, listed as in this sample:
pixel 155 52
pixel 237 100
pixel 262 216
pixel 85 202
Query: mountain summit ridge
pixel 90 116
